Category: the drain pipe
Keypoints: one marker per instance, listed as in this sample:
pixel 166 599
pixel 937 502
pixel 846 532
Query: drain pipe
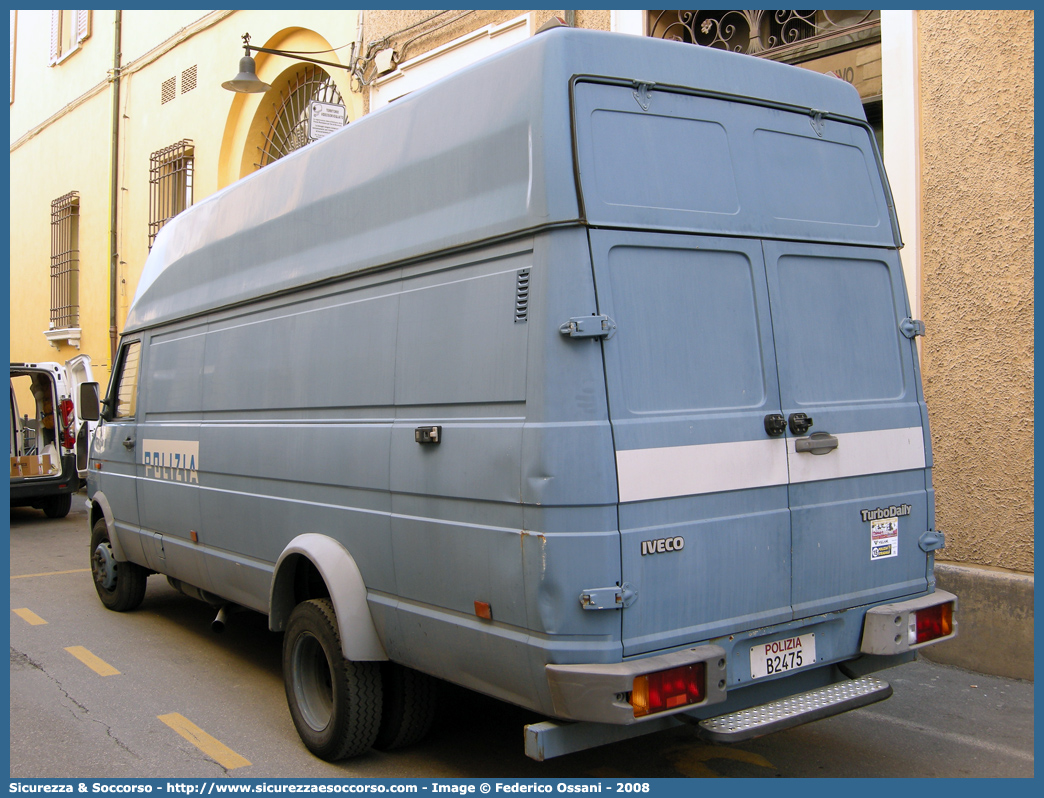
pixel 114 189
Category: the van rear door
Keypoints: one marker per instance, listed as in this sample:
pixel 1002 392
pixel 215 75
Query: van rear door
pixel 747 256
pixel 691 376
pixel 857 495
pixel 78 371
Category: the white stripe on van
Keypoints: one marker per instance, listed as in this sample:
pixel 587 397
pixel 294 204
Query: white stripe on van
pixel 858 453
pixel 667 471
pixel 703 468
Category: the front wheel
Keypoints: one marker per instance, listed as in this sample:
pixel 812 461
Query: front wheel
pixel 335 703
pixel 120 585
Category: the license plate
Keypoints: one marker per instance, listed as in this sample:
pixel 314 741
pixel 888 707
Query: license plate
pixel 781 656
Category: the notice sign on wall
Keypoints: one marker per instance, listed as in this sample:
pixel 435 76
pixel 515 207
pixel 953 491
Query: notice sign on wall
pixel 324 119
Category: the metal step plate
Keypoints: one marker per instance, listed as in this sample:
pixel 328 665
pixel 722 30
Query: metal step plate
pixel 794 710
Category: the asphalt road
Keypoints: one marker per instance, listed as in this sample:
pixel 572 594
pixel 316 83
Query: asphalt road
pixel 155 693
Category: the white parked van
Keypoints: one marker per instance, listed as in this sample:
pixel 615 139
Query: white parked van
pixel 48 441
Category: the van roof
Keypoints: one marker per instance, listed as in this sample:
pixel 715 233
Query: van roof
pixel 473 157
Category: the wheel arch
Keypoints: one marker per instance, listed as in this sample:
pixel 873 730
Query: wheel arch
pixel 100 509
pixel 317 566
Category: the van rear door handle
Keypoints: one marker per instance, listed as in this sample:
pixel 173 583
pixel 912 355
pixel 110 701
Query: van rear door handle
pixel 816 443
pixel 128 442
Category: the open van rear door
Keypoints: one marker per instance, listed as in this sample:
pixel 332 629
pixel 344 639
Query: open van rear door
pixel 78 371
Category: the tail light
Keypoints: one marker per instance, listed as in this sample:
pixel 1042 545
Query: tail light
pixel 931 623
pixel 68 428
pixel 663 690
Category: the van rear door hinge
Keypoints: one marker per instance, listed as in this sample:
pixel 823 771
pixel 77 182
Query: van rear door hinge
pixel 608 598
pixel 911 328
pixel 816 121
pixel 589 327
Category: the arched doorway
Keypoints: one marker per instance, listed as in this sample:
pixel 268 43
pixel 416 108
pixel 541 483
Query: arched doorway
pixel 261 128
pixel 288 111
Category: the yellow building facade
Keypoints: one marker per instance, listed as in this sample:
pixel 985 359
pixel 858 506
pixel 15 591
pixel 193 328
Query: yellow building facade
pixel 122 117
pixel 162 70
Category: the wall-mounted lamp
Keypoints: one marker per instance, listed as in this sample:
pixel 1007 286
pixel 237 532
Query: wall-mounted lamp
pixel 247 79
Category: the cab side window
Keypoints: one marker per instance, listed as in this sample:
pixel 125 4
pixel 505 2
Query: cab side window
pixel 126 383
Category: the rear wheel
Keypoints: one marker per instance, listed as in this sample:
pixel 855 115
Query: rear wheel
pixel 120 585
pixel 335 703
pixel 410 701
pixel 58 506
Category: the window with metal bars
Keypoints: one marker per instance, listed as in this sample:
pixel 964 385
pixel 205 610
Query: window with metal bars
pixel 170 184
pixel 288 128
pixel 790 36
pixel 65 262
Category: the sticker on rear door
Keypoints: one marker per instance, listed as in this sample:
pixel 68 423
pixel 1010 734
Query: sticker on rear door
pixel 884 538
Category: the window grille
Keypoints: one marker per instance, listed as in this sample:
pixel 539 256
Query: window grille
pixel 289 130
pixel 65 262
pixel 188 79
pixel 170 184
pixel 168 90
pixel 784 35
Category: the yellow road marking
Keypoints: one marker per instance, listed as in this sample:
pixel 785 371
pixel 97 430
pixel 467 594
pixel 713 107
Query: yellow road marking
pixel 96 664
pixel 692 761
pixel 213 748
pixel 29 617
pixel 53 573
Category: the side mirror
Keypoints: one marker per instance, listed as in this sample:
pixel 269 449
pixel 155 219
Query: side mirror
pixel 89 406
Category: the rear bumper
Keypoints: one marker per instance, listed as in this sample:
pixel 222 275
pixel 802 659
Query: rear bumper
pixel 26 490
pixel 600 693
pixel 891 628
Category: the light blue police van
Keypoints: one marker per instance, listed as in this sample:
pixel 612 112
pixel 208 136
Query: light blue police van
pixel 584 378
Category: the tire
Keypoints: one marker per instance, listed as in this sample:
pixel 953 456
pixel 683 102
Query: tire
pixel 335 703
pixel 123 588
pixel 410 701
pixel 58 506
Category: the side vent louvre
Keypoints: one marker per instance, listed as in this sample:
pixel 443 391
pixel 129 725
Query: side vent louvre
pixel 522 296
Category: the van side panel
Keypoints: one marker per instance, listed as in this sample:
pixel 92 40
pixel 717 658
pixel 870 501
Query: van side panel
pixel 460 366
pixel 291 443
pixel 167 452
pixel 543 530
